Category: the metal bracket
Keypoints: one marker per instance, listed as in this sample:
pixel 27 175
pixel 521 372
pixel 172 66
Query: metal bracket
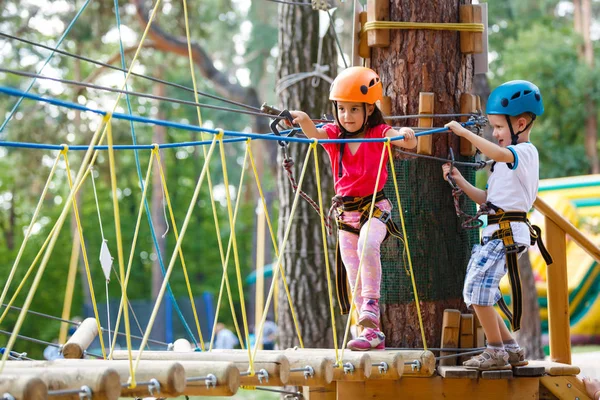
pixel 154 387
pixel 383 367
pixel 416 366
pixel 170 347
pixel 211 381
pixel 263 374
pixel 85 393
pixel 348 368
pixel 309 372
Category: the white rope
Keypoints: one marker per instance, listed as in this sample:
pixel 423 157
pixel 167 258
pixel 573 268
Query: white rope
pixel 290 80
pixel 97 205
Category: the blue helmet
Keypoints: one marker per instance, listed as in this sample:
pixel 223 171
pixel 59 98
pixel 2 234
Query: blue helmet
pixel 515 98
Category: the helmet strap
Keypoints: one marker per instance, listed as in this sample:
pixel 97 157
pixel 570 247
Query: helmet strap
pixel 514 137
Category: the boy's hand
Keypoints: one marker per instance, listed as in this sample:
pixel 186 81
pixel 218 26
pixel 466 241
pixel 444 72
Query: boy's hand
pixel 457 128
pixel 455 172
pixel 408 134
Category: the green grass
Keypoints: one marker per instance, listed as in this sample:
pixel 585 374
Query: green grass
pixel 585 349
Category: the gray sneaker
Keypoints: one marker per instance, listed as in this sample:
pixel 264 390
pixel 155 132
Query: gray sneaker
pixel 516 358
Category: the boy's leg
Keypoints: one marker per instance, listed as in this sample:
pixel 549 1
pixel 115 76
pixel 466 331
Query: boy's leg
pixel 516 354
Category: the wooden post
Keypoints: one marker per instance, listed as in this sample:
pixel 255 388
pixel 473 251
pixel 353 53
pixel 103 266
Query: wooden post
pixel 467 338
pixel 558 295
pixel 81 339
pixel 468 104
pixel 363 45
pixel 471 42
pixel 378 10
pixel 385 105
pixel 425 143
pixel 23 386
pixel 478 333
pixel 450 335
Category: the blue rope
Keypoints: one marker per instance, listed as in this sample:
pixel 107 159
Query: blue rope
pixel 26 145
pixel 139 172
pixel 64 35
pixel 135 118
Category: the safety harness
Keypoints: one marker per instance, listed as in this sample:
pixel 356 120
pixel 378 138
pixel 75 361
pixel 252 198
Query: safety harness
pixel 505 233
pixel 363 205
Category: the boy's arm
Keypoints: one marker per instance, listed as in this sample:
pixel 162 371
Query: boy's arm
pixel 477 195
pixel 491 150
pixel 308 127
pixel 409 141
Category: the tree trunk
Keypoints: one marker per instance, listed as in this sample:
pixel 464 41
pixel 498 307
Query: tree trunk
pixel 530 335
pixel 424 61
pixel 304 261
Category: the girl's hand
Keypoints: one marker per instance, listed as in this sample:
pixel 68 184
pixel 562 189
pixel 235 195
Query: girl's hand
pixel 299 117
pixel 408 134
pixel 456 128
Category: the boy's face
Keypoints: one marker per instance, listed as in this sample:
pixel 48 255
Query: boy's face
pixel 352 115
pixel 502 130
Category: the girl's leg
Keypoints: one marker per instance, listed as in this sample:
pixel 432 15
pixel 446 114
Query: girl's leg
pixel 348 243
pixel 371 268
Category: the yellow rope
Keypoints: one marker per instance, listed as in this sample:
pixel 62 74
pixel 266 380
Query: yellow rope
pixel 209 180
pixel 441 26
pixel 84 252
pixel 274 240
pixel 325 250
pixel 288 228
pixel 29 230
pixel 362 255
pixel 133 244
pixel 51 244
pixel 184 227
pixel 176 233
pixel 236 258
pixel 229 244
pixel 412 275
pixel 72 275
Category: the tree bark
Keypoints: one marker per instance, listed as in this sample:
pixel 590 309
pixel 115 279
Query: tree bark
pixel 424 61
pixel 304 261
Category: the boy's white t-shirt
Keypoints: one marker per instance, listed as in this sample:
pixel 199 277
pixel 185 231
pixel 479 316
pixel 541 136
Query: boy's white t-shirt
pixel 515 189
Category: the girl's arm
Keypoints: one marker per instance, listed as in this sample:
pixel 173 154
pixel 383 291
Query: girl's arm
pixel 477 195
pixel 308 127
pixel 409 141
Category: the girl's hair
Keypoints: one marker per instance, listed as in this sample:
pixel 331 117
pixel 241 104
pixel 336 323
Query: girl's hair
pixel 376 117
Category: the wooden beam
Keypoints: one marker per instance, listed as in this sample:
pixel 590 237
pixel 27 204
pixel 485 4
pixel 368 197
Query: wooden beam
pixel 450 335
pixel 471 42
pixel 378 10
pixel 363 45
pixel 426 104
pixel 328 392
pixel 81 339
pixel 385 105
pixel 467 330
pixel 565 387
pixel 23 386
pixel 468 104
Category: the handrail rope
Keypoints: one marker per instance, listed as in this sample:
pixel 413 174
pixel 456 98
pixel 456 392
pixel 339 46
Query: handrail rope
pixel 362 256
pixel 224 277
pixel 167 199
pixel 118 238
pixel 54 238
pixel 236 257
pixel 69 290
pixel 325 251
pixel 436 26
pixel 29 230
pixel 405 234
pixel 288 228
pixel 114 68
pixel 133 244
pixel 274 241
pixel 84 250
pixel 60 40
pixel 194 128
pixel 148 213
pixel 184 227
pixel 137 94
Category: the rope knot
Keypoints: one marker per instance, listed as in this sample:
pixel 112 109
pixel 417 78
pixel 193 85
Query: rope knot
pixel 65 148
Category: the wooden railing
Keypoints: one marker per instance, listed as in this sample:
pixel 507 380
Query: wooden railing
pixel 556 230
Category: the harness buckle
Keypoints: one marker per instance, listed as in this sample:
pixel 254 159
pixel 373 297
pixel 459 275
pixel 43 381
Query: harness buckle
pixel 385 216
pixel 511 248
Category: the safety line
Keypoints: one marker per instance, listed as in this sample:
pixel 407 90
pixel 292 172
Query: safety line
pixel 60 40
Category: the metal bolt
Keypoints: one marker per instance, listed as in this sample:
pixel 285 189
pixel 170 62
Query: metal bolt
pixel 153 387
pixel 263 374
pixel 211 381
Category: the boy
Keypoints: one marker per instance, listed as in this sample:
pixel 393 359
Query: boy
pixel 512 188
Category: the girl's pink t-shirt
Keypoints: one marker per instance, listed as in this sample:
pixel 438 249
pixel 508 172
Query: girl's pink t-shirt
pixel 359 170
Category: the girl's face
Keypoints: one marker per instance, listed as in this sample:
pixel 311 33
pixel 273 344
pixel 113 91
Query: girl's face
pixel 352 115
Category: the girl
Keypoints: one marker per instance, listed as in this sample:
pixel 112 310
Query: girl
pixel 354 93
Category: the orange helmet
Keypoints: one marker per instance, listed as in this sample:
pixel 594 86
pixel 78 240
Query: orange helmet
pixel 356 84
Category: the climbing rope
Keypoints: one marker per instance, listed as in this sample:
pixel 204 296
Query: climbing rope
pixel 436 26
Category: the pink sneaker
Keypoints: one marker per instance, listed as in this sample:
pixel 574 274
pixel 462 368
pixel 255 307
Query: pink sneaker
pixel 369 339
pixel 369 314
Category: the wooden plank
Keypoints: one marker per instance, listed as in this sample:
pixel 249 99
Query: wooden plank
pixel 471 42
pixel 456 372
pixel 320 393
pixel 351 390
pixel 479 334
pixel 426 104
pixel 467 330
pixel 529 370
pixel 450 335
pixel 565 387
pixel 385 105
pixel 556 369
pixel 468 104
pixel 363 45
pixel 378 10
pixel 500 374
